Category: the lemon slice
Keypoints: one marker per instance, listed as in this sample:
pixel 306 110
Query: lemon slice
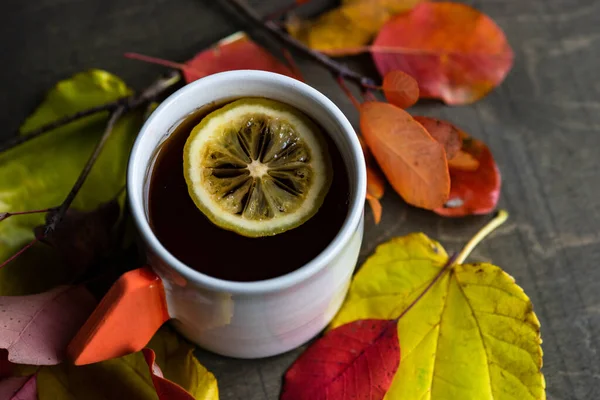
pixel 257 167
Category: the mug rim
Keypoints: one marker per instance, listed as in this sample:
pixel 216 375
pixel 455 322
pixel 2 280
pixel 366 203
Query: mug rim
pixel 343 236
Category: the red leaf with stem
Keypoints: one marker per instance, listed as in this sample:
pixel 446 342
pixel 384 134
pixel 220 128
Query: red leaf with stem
pixel 400 89
pixel 235 52
pixel 165 389
pixel 357 360
pixel 475 191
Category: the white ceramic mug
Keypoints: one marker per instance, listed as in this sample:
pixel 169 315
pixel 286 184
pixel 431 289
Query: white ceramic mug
pixel 237 319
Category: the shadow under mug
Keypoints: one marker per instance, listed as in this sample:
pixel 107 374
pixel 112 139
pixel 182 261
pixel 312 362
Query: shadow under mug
pixel 236 319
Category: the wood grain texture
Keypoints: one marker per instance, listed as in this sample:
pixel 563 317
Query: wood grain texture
pixel 542 124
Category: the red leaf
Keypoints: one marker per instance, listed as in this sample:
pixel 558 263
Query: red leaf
pixel 19 388
pixel 400 89
pixel 473 192
pixel 354 361
pixel 456 53
pixel 444 132
pixel 165 389
pixel 36 329
pixel 235 52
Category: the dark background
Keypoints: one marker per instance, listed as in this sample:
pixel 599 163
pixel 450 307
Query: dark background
pixel 542 124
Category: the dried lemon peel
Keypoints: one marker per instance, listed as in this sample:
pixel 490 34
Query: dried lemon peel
pixel 257 167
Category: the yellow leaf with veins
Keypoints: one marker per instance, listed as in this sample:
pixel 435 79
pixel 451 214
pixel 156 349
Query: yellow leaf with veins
pixel 472 334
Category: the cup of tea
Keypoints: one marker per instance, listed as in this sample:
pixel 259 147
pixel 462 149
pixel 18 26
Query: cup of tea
pixel 239 296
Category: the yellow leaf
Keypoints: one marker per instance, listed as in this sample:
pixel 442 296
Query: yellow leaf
pixel 128 377
pixel 472 335
pixel 175 357
pixel 348 27
pixel 330 31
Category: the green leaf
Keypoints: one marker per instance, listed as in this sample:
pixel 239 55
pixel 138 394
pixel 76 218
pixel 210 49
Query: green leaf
pixel 40 173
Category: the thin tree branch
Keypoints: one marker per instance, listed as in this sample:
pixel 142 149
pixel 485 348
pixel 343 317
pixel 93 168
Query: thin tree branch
pixel 21 251
pixel 59 213
pixel 19 139
pixel 146 96
pixel 271 27
pixel 128 102
pixel 56 214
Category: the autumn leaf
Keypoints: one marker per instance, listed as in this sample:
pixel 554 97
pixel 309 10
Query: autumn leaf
pixel 455 52
pixel 165 389
pixel 475 180
pixel 346 29
pixel 375 182
pixel 36 329
pixel 39 174
pixel 19 388
pixel 178 364
pixel 400 89
pixel 234 52
pixel 444 132
pixel 356 360
pixel 413 162
pixel 466 331
pixel 128 377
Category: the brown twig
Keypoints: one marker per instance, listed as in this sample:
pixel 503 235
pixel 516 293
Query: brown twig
pixel 19 139
pixel 128 102
pixel 275 30
pixel 147 95
pixel 56 214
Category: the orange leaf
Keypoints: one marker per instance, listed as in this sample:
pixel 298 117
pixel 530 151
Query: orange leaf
pixel 413 162
pixel 400 89
pixel 375 182
pixel 375 207
pixel 476 191
pixel 444 132
pixel 455 52
pixel 463 161
pixel 237 51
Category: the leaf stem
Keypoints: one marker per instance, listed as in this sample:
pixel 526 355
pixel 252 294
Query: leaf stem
pixel 500 217
pixel 451 261
pixel 347 92
pixel 275 30
pixel 21 251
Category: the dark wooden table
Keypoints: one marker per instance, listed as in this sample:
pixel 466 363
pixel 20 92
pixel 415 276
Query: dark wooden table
pixel 543 125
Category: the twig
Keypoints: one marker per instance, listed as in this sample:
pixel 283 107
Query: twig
pixel 347 92
pixel 56 214
pixel 5 215
pixel 147 95
pixel 21 251
pixel 19 139
pixel 128 102
pixel 271 27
